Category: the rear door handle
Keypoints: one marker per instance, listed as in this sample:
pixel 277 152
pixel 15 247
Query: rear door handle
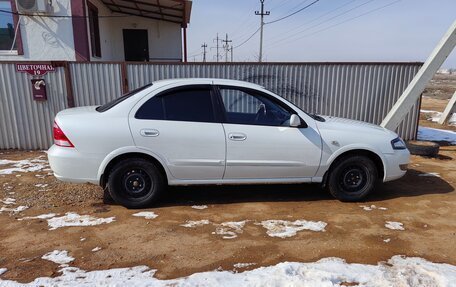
pixel 149 133
pixel 237 137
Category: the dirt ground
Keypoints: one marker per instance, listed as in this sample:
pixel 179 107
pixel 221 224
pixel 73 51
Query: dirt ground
pixel 424 201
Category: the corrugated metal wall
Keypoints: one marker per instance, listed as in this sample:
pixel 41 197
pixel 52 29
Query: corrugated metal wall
pixel 358 91
pixel 353 90
pixel 24 123
pixel 95 83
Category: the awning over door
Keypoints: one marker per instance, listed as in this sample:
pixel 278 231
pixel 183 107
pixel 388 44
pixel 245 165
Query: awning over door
pixel 175 11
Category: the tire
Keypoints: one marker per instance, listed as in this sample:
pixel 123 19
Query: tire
pixel 352 178
pixel 107 199
pixel 135 183
pixel 423 148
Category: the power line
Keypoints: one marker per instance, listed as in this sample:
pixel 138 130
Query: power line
pixel 280 4
pixel 350 19
pixel 346 20
pixel 323 22
pixel 297 11
pixel 248 38
pixel 313 20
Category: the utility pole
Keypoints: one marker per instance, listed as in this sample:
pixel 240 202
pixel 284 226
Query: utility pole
pixel 262 14
pixel 232 48
pixel 204 46
pixel 226 46
pixel 217 56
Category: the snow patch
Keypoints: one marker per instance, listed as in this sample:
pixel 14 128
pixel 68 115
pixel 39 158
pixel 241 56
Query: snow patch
pixel 26 165
pixel 146 214
pixel 387 240
pixel 8 201
pixel 58 256
pixel 199 206
pixel 243 265
pixel 14 210
pixel 372 207
pixel 230 230
pixel 2 270
pixel 195 223
pixel 283 228
pixel 74 219
pixel 331 272
pixel 431 134
pixel 435 116
pixel 394 225
pixel 96 249
pixel 42 216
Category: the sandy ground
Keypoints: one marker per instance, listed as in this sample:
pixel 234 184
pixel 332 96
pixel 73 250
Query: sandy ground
pixel 425 205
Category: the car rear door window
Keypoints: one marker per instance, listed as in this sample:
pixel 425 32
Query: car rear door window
pixel 192 105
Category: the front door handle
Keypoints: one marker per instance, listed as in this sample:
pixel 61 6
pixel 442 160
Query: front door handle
pixel 149 133
pixel 237 137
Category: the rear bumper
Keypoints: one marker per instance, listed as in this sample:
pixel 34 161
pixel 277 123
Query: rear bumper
pixel 395 164
pixel 72 166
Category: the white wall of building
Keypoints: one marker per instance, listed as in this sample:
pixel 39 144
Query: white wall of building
pixel 165 38
pixel 45 38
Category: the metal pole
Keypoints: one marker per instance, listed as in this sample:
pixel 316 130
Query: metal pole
pixel 424 75
pixel 448 110
pixel 204 46
pixel 226 46
pixel 218 55
pixel 262 14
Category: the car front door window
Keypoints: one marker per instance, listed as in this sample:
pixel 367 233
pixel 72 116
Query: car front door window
pixel 249 108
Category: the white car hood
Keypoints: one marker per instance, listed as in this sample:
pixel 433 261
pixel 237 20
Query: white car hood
pixel 335 123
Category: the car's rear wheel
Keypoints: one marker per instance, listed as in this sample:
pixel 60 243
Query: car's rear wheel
pixel 135 183
pixel 352 178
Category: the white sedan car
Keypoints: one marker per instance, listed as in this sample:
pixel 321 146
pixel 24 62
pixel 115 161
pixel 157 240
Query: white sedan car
pixel 214 131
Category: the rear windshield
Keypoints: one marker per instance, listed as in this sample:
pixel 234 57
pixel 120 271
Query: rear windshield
pixel 120 99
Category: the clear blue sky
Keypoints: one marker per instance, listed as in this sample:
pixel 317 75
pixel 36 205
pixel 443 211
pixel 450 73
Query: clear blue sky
pixel 407 30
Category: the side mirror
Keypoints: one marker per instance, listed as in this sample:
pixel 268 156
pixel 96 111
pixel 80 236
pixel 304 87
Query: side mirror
pixel 295 121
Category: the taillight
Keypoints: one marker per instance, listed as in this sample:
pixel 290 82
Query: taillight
pixel 60 138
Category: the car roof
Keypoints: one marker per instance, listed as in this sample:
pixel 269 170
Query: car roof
pixel 215 81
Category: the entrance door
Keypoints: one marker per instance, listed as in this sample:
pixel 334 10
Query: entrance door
pixel 136 45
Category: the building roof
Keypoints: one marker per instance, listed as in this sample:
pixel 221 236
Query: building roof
pixel 175 11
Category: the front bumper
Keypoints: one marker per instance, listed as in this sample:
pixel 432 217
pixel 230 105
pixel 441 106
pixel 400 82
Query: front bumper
pixel 396 164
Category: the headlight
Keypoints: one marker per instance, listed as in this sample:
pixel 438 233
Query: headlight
pixel 398 143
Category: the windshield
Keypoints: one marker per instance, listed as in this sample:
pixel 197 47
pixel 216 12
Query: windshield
pixel 107 106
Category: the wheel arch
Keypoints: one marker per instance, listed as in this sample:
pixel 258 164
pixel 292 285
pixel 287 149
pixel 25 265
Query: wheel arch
pixel 113 159
pixel 372 155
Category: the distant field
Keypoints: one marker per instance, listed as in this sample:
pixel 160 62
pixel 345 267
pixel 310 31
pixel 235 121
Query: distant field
pixel 441 87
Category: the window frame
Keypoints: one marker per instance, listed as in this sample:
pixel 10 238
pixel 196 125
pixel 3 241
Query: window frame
pixel 214 102
pixel 19 48
pixel 253 92
pixel 94 27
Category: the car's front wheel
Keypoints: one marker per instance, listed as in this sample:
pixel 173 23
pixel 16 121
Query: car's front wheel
pixel 352 178
pixel 135 183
